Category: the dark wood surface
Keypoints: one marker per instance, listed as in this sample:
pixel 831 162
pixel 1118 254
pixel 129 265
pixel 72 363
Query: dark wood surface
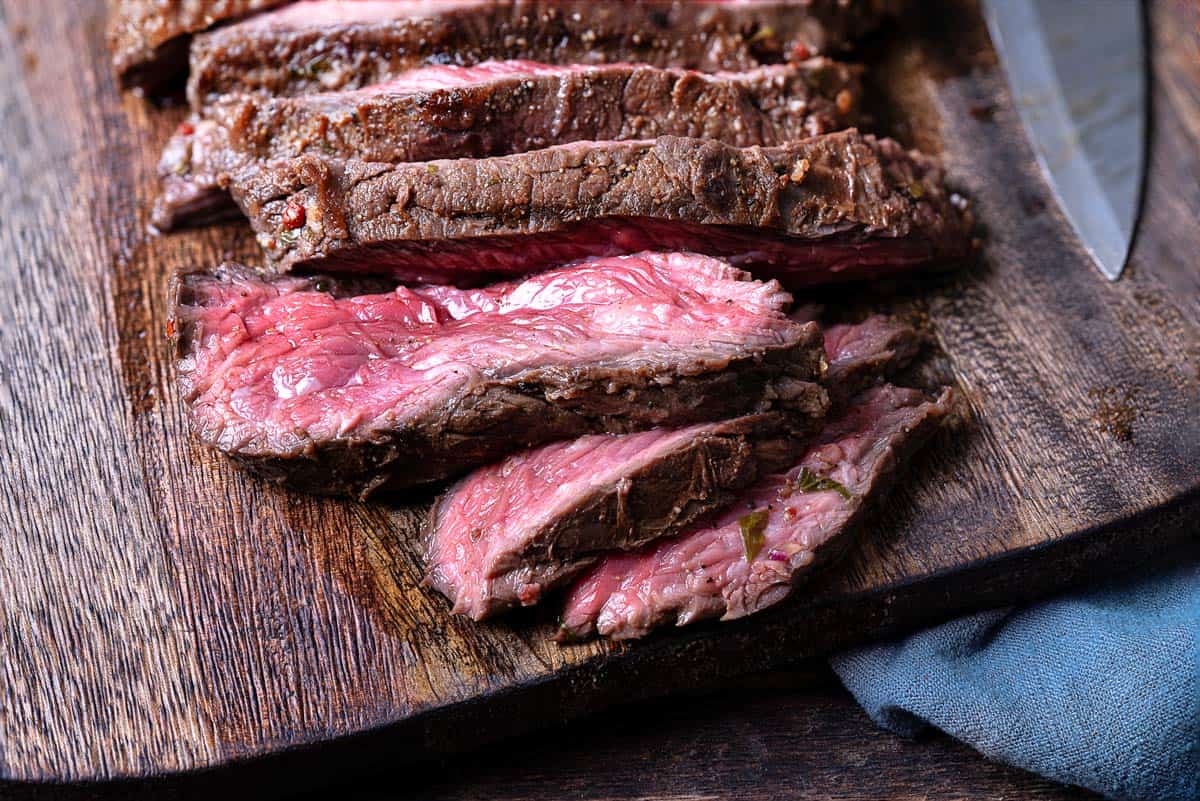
pixel 161 612
pixel 763 739
pixel 788 734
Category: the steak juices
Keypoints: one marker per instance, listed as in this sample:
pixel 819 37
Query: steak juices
pixel 535 255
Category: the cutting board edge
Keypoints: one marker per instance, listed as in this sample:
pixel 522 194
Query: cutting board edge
pixel 603 681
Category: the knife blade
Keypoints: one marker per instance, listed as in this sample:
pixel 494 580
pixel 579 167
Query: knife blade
pixel 1077 69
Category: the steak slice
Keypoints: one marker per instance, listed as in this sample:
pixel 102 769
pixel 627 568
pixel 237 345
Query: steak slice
pixel 859 354
pixel 832 207
pixel 325 45
pixel 509 532
pixel 334 394
pixel 149 38
pixel 498 108
pixel 751 556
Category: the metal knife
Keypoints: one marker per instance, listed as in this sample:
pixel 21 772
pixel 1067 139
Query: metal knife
pixel 1077 69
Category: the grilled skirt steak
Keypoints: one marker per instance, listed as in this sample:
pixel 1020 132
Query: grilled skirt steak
pixel 859 354
pixel 834 207
pixel 350 395
pixel 149 38
pixel 498 108
pixel 750 556
pixel 511 531
pixel 326 45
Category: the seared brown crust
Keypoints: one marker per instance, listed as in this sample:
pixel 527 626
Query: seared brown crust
pixel 531 408
pixel 841 187
pixel 701 475
pixel 149 38
pixel 296 59
pixel 498 116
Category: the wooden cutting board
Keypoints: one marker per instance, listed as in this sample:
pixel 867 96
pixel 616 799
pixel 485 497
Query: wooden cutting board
pixel 161 612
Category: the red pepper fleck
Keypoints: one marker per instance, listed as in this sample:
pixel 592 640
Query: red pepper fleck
pixel 170 328
pixel 293 216
pixel 800 52
pixel 185 129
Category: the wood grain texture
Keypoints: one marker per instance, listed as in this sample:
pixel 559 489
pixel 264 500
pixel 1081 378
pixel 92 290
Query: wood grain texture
pixel 752 744
pixel 776 736
pixel 161 612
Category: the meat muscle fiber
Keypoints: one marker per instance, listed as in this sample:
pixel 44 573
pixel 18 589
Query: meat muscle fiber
pixel 751 556
pixel 338 394
pixel 509 532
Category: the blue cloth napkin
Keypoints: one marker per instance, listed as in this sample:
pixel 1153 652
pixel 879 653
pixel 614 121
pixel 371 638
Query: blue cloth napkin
pixel 1100 688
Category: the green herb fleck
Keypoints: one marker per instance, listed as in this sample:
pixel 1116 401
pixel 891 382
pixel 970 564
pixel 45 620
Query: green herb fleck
pixel 431 168
pixel 808 481
pixel 322 284
pixel 311 68
pixel 762 34
pixel 288 237
pixel 917 190
pixel 753 525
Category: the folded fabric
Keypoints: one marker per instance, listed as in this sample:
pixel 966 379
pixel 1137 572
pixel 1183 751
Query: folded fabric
pixel 1100 688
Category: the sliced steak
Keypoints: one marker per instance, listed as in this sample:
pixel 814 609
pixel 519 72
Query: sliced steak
pixel 833 207
pixel 750 556
pixel 512 531
pixel 352 394
pixel 149 38
pixel 498 108
pixel 325 45
pixel 509 532
pixel 860 353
